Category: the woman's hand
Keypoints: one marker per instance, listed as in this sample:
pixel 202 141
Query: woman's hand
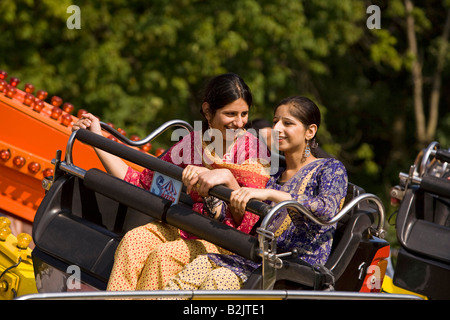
pixel 211 178
pixel 203 179
pixel 240 197
pixel 88 121
pixel 114 165
pixel 190 176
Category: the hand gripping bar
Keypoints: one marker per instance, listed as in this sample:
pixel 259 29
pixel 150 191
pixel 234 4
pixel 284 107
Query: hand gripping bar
pixel 178 216
pixel 257 207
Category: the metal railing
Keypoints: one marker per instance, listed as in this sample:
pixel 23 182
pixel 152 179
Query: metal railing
pixel 267 242
pixel 152 136
pixel 218 294
pixel 292 204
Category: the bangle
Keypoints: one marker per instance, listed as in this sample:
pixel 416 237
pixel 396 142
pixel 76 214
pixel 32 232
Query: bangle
pixel 211 203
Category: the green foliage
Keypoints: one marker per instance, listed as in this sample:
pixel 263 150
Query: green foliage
pixel 138 64
pixel 384 51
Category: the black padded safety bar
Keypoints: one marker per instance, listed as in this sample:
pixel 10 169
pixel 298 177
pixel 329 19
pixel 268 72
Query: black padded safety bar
pixel 126 193
pixel 161 166
pixel 213 231
pixel 176 215
pixel 438 186
pixel 443 155
pixel 129 154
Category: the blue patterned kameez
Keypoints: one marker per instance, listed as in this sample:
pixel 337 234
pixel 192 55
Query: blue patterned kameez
pixel 320 187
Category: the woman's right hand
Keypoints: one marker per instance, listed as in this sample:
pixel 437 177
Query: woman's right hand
pixel 88 121
pixel 190 176
pixel 113 164
pixel 240 197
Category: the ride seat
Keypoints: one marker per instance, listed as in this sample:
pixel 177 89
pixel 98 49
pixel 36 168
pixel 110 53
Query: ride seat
pixel 81 222
pixel 75 226
pixel 423 231
pixel 343 262
pixel 422 225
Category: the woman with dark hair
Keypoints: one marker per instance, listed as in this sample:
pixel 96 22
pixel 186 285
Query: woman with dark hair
pixel 222 153
pixel 319 184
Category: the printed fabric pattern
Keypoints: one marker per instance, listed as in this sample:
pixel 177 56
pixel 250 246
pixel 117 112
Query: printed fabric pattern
pixel 248 160
pixel 320 187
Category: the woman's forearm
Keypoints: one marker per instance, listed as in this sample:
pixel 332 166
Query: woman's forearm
pixel 113 164
pixel 277 196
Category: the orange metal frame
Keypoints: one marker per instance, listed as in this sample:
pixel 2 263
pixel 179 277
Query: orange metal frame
pixel 31 138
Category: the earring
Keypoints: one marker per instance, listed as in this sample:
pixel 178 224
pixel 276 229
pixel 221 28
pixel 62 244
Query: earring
pixel 307 150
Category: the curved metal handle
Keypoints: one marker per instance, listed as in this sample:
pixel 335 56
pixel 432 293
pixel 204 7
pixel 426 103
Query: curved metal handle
pixel 292 204
pixel 433 146
pixel 152 136
pixel 422 163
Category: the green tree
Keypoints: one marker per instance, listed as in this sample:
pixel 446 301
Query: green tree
pixel 138 64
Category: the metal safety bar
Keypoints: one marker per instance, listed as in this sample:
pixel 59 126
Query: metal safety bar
pixel 218 294
pixel 152 136
pixel 219 191
pixel 430 150
pixel 420 173
pixel 292 204
pixel 424 156
pixel 267 242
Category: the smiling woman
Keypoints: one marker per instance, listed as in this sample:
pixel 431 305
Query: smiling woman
pixel 149 255
pixel 297 120
pixel 225 123
pixel 319 184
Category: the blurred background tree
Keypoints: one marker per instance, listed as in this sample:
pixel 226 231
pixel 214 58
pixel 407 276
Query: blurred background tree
pixel 384 93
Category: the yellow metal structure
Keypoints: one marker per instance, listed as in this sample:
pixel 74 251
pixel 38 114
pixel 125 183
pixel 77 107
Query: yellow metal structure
pixel 16 266
pixel 389 287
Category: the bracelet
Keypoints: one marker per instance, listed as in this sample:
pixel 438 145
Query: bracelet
pixel 211 203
